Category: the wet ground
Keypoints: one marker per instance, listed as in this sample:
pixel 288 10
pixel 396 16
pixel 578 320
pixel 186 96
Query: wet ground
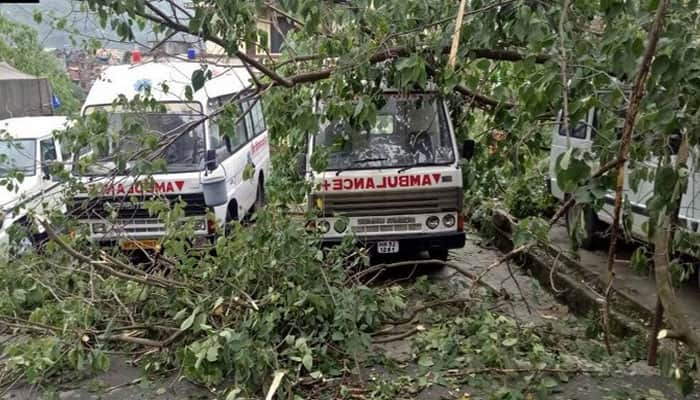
pixel 529 303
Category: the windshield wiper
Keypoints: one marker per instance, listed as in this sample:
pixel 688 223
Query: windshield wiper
pixel 419 164
pixel 360 161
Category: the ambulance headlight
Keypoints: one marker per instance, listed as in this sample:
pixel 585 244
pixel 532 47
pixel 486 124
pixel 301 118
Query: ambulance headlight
pixel 200 225
pixel 432 222
pixel 449 220
pixel 340 225
pixel 99 228
pixel 324 226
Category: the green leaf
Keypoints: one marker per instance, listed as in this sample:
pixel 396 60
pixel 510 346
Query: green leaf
pixel 510 342
pixel 187 324
pixel 426 361
pixel 199 77
pixel 307 361
pixel 549 382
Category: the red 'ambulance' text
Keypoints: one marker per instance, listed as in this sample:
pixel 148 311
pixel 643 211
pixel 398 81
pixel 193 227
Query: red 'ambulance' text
pixel 384 182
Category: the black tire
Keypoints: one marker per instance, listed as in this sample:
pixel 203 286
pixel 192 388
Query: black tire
pixel 585 225
pixel 260 195
pixel 439 254
pixel 231 218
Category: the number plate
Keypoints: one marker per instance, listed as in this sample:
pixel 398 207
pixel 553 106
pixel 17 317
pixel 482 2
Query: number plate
pixel 140 245
pixel 388 247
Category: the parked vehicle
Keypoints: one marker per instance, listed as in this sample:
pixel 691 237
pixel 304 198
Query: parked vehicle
pixel 397 186
pixel 588 222
pixel 199 154
pixel 27 147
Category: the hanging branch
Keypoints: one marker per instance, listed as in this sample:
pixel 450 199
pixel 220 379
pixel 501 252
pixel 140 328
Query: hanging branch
pixel 624 149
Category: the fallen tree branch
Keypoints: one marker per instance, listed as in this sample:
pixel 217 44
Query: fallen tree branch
pixel 624 149
pixel 145 279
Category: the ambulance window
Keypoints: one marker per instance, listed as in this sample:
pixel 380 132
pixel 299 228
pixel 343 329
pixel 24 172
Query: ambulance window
pixel 48 150
pixel 258 118
pixel 577 131
pixel 238 138
pixel 248 120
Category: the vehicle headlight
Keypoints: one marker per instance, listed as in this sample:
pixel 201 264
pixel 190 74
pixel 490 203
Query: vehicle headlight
pixel 324 226
pixel 99 227
pixel 432 222
pixel 199 225
pixel 340 225
pixel 448 220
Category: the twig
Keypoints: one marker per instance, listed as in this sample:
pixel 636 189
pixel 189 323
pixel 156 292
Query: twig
pixel 517 284
pixel 401 336
pixel 521 371
pixel 562 68
pixel 458 268
pixel 427 306
pixel 511 254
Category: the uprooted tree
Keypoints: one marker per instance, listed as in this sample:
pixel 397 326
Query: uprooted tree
pixel 519 63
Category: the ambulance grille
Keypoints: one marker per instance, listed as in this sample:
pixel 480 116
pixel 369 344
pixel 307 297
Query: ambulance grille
pixel 104 207
pixel 397 202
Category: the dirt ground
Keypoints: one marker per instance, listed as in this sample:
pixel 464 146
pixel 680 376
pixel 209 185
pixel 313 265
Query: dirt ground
pixel 529 303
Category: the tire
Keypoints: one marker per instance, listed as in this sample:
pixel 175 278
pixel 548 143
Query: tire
pixel 439 254
pixel 260 195
pixel 587 231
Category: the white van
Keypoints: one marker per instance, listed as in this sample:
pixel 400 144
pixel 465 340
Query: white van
pixel 27 146
pixel 581 135
pixel 395 187
pixel 118 215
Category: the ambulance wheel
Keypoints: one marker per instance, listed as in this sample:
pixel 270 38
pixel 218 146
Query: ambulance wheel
pixel 260 195
pixel 587 231
pixel 439 254
pixel 231 217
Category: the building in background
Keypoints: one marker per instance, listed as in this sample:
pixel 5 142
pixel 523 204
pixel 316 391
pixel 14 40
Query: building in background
pixel 23 95
pixel 84 67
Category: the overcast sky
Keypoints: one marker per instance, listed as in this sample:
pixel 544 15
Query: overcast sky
pixel 87 25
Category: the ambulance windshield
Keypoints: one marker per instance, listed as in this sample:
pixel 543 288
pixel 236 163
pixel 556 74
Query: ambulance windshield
pixel 408 131
pixel 175 136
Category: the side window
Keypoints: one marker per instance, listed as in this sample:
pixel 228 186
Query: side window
pixel 258 118
pixel 48 150
pixel 246 107
pixel 238 138
pixel 577 131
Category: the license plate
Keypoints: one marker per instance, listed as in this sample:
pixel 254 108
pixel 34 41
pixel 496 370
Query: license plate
pixel 140 245
pixel 388 246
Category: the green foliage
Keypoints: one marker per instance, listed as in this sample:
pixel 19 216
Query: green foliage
pixel 271 300
pixel 21 47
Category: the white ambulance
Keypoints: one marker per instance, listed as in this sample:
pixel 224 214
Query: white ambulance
pixel 197 149
pixel 581 135
pixel 395 187
pixel 28 147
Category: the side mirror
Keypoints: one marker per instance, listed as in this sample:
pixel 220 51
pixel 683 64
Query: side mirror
pixel 210 162
pixel 301 164
pixel 468 149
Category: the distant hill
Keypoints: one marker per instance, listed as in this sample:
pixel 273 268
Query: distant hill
pixel 88 25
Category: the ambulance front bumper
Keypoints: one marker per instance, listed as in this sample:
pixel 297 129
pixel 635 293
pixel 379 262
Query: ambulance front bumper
pixel 413 243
